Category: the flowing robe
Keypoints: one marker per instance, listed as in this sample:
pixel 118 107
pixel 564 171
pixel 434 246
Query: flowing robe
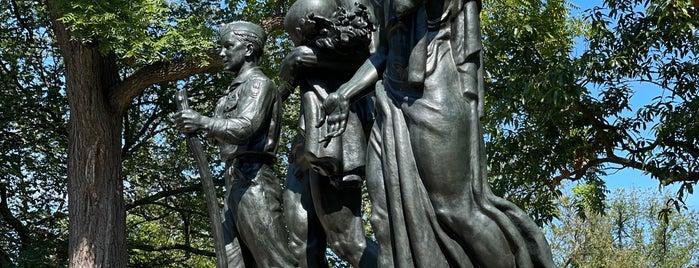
pixel 432 205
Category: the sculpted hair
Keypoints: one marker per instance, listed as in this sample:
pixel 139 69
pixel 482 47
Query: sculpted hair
pixel 246 32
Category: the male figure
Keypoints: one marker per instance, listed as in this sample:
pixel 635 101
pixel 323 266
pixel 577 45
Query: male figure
pixel 431 202
pixel 246 126
pixel 324 181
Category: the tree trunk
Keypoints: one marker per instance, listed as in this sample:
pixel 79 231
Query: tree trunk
pixel 97 217
pixel 95 190
pixel 96 207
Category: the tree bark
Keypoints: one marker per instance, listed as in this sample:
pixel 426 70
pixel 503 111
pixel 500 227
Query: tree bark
pixel 95 190
pixel 97 236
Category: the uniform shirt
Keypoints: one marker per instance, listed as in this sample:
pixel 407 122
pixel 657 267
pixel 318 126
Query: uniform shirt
pixel 246 120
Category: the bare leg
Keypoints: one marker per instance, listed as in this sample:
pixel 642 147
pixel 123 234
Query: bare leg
pixel 307 241
pixel 339 211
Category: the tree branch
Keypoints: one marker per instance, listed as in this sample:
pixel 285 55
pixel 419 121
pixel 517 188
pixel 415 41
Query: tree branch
pixel 688 147
pixel 125 91
pixel 132 142
pixel 692 176
pixel 5 258
pixel 21 21
pixel 22 231
pixel 174 247
pixel 151 199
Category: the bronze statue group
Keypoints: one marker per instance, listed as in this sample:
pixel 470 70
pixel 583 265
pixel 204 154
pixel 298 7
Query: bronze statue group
pixel 391 96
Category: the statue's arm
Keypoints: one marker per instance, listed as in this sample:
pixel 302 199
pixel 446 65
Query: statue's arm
pixel 302 57
pixel 364 78
pixel 285 90
pixel 370 71
pixel 254 107
pixel 336 105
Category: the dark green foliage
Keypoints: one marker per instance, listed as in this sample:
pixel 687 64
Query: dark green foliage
pixel 33 140
pixel 554 116
pixel 646 45
pixel 531 84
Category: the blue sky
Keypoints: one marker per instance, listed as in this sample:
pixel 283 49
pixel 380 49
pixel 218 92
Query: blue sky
pixel 631 178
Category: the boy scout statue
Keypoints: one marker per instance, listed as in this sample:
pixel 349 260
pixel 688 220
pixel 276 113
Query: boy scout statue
pixel 245 127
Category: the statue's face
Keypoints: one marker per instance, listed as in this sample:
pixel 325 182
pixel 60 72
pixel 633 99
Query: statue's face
pixel 233 53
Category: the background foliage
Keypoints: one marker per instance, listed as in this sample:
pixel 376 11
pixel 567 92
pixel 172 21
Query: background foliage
pixel 628 234
pixel 552 116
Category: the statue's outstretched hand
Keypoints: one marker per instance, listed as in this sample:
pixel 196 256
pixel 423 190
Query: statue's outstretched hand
pixel 188 121
pixel 335 114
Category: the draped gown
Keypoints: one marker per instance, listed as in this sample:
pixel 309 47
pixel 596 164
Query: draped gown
pixel 426 170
